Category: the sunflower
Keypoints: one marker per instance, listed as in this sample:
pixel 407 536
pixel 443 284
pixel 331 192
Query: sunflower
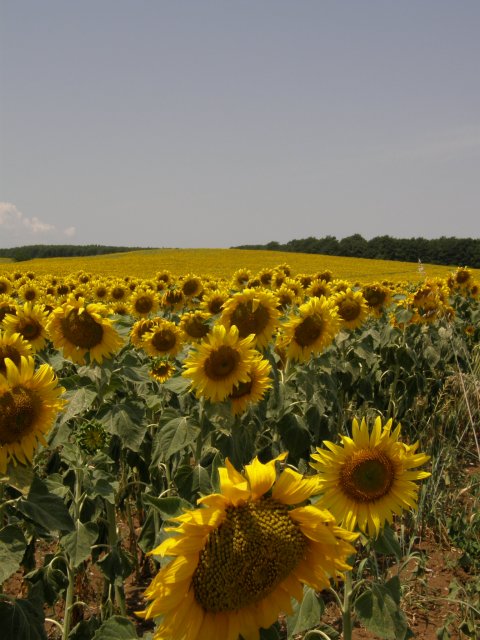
pixel 118 292
pixel 318 288
pixel 30 292
pixel 220 362
pixel 377 297
pixel 238 559
pixel 162 369
pixel 351 308
pixel 29 403
pixel 80 329
pixel 241 278
pixel 140 328
pixel 7 307
pixel 13 346
pixel 312 330
pixel 370 477
pixel 254 312
pixel 173 298
pixel 30 322
pixel 164 338
pixel 195 325
pixel 246 393
pixel 143 302
pixel 286 297
pixel 191 286
pixel 213 301
pixel 5 286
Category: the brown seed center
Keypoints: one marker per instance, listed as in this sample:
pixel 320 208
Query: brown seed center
pixel 367 475
pixel 82 330
pixel 221 362
pixel 308 331
pixel 19 408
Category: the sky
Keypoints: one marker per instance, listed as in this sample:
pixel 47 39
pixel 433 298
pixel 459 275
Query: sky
pixel 216 123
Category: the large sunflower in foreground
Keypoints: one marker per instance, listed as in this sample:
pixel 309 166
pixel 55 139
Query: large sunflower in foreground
pixel 80 329
pixel 312 330
pixel 219 362
pixel 253 311
pixel 370 477
pixel 239 559
pixel 29 403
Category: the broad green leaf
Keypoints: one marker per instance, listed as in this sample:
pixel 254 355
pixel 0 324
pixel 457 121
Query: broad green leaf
pixel 174 436
pixel 116 565
pixel 177 384
pixel 45 509
pixel 79 542
pixel 272 633
pixel 306 614
pixel 85 629
pixel 125 421
pixel 192 481
pixel 12 548
pixel 380 614
pixel 21 619
pixel 79 401
pixel 387 543
pixel 18 476
pixel 169 507
pixel 116 628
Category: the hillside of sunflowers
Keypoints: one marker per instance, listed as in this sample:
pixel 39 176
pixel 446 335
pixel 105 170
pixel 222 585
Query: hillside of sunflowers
pixel 203 444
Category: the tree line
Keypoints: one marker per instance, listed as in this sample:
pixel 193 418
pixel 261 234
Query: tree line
pixel 445 251
pixel 29 252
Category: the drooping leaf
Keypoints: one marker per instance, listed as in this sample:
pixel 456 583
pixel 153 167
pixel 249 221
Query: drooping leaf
pixel 12 548
pixel 45 509
pixel 116 628
pixel 306 614
pixel 21 619
pixel 380 614
pixel 78 543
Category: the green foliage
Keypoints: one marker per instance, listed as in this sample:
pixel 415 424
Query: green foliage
pixel 30 252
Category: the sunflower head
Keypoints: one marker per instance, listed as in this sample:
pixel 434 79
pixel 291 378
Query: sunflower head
pixel 239 558
pixel 253 312
pixel 370 477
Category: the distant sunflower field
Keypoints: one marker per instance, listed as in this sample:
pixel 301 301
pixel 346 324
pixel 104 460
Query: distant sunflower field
pixel 201 444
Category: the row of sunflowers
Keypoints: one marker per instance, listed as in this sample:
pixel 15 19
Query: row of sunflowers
pixel 189 390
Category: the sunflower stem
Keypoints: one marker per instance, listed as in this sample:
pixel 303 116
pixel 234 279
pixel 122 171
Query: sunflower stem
pixel 347 625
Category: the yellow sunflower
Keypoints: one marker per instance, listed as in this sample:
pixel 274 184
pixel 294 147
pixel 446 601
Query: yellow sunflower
pixel 245 394
pixel 191 286
pixel 238 559
pixel 213 301
pixel 253 311
pixel 311 331
pixel 13 346
pixel 5 286
pixel 219 362
pixel 351 308
pixel 29 403
pixel 30 321
pixel 143 302
pixel 318 288
pixel 80 329
pixel 241 278
pixel 162 369
pixel 377 297
pixel 140 328
pixel 173 298
pixel 370 477
pixel 7 307
pixel 164 338
pixel 195 325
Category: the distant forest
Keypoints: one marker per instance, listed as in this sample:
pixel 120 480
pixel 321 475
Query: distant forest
pixel 29 252
pixel 463 252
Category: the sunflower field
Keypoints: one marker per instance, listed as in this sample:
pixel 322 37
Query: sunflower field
pixel 258 456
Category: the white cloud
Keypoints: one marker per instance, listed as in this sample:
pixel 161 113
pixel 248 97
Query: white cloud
pixel 10 216
pixel 20 228
pixel 69 232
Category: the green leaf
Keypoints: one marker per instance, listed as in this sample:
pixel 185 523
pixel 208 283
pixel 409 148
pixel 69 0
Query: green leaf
pixel 116 565
pixel 387 543
pixel 21 619
pixel 18 476
pixel 116 628
pixel 79 542
pixel 168 507
pixel 45 509
pixel 380 614
pixel 306 614
pixel 177 384
pixel 79 401
pixel 85 629
pixel 192 481
pixel 174 436
pixel 125 421
pixel 295 436
pixel 12 548
pixel 272 633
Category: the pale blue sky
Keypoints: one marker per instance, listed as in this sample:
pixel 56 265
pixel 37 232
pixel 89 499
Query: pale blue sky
pixel 203 123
